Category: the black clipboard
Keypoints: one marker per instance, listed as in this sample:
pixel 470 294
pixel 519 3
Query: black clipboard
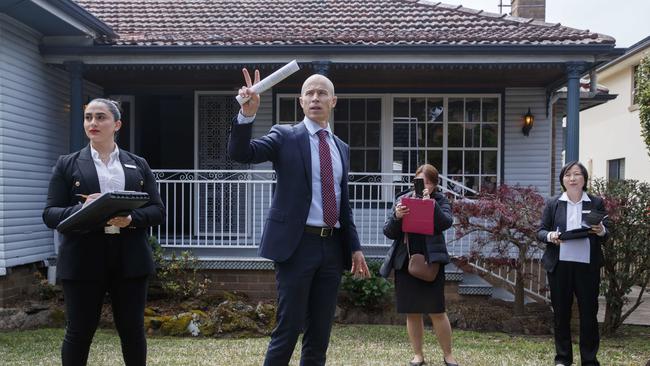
pixel 578 233
pixel 95 214
pixel 594 217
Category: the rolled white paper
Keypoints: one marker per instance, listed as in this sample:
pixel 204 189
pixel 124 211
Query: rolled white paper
pixel 268 82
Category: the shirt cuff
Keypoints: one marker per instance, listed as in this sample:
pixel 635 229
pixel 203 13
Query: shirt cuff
pixel 243 120
pixel 548 236
pixel 602 233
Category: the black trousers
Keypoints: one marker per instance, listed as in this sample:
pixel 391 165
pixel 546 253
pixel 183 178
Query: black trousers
pixel 83 305
pixel 307 285
pixel 583 280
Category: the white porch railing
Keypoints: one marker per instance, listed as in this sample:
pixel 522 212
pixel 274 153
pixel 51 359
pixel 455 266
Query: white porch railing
pixel 221 213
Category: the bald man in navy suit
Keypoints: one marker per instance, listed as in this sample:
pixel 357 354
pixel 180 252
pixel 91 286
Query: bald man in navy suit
pixel 309 232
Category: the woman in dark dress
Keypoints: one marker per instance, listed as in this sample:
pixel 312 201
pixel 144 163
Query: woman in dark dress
pixel 415 296
pixel 115 258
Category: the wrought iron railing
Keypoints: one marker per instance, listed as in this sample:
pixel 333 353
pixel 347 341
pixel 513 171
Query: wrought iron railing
pixel 223 211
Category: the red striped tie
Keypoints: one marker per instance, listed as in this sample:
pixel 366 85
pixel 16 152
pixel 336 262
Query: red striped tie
pixel 330 213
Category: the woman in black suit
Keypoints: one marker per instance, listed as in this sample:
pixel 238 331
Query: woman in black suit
pixel 116 258
pixel 415 296
pixel 573 266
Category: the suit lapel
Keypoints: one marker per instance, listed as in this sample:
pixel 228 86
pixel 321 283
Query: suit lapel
pixel 131 178
pixel 302 137
pixel 561 215
pixel 87 168
pixel 344 158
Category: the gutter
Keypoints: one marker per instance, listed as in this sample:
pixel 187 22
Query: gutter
pixel 328 49
pixel 101 30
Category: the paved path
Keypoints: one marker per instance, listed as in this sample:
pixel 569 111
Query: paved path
pixel 640 316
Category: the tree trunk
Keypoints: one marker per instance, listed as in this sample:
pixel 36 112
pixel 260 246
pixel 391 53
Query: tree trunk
pixel 613 306
pixel 519 283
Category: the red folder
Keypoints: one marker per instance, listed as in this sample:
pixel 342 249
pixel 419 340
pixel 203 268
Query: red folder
pixel 420 217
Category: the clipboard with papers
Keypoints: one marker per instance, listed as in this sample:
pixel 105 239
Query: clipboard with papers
pixel 420 217
pixel 95 214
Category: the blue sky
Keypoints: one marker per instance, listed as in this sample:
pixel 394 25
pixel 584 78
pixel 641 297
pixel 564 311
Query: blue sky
pixel 626 20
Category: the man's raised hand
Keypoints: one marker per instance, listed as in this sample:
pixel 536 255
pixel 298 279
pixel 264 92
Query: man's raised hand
pixel 249 109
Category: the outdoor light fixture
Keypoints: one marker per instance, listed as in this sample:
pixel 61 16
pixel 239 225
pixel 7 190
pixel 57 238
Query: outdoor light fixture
pixel 529 119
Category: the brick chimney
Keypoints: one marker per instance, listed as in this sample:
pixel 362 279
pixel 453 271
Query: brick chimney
pixel 535 9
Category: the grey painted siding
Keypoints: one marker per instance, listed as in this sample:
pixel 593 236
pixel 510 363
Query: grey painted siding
pixel 34 122
pixel 527 159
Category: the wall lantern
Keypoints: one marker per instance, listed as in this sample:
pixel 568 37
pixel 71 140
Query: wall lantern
pixel 529 119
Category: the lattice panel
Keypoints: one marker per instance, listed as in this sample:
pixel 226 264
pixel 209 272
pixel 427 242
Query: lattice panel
pixel 222 207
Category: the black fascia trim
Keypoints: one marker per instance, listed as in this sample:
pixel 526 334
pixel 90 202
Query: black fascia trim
pixel 327 49
pixel 81 14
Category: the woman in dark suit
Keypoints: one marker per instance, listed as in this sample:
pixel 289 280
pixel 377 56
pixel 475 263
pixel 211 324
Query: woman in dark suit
pixel 573 266
pixel 116 258
pixel 415 296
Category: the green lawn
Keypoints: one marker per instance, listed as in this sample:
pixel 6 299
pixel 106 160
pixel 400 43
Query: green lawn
pixel 350 345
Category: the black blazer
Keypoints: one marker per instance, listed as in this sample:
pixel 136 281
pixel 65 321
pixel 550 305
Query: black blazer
pixel 554 216
pixel 436 244
pixel 83 255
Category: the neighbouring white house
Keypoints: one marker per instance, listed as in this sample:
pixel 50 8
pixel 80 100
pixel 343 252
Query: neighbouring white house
pixel 611 144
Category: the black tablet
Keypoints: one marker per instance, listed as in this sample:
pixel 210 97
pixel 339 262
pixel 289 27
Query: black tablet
pixel 582 232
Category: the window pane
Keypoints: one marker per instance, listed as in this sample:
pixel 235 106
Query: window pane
pixel 490 110
pixel 300 114
pixel 421 135
pixel 435 158
pixel 357 134
pixel 434 135
pixel 287 110
pixel 435 107
pixel 401 107
pixel 372 135
pixel 373 110
pixel 372 161
pixel 341 130
pixel 489 162
pixel 357 109
pixel 400 135
pixel 341 110
pixel 455 162
pixel 418 109
pixel 455 110
pixel 472 110
pixel 490 137
pixel 489 184
pixel 472 134
pixel 472 183
pixel 455 135
pixel 357 161
pixel 400 161
pixel 471 162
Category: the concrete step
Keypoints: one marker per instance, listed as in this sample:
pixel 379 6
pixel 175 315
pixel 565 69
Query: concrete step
pixel 473 284
pixel 453 273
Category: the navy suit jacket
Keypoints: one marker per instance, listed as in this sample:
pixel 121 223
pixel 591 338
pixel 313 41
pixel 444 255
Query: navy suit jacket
pixel 554 216
pixel 82 255
pixel 287 147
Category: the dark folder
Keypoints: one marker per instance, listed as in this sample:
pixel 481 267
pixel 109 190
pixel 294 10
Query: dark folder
pixel 594 217
pixel 95 214
pixel 578 233
pixel 420 217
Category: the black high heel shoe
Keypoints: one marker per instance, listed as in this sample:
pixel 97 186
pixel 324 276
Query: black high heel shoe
pixel 448 363
pixel 420 363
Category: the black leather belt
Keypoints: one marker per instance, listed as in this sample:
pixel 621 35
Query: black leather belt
pixel 323 232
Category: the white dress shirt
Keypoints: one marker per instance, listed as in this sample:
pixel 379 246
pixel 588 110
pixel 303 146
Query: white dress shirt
pixel 111 175
pixel 575 250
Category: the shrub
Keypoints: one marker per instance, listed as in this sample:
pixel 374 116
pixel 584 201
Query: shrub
pixel 178 274
pixel 372 294
pixel 626 252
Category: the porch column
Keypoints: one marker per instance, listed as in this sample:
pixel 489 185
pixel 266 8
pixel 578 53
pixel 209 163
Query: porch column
pixel 573 70
pixel 75 69
pixel 321 67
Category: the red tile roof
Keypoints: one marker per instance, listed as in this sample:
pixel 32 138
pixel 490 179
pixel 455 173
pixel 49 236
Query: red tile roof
pixel 323 22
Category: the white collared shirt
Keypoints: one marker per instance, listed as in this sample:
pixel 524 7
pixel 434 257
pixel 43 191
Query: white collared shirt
pixel 575 250
pixel 315 217
pixel 111 175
